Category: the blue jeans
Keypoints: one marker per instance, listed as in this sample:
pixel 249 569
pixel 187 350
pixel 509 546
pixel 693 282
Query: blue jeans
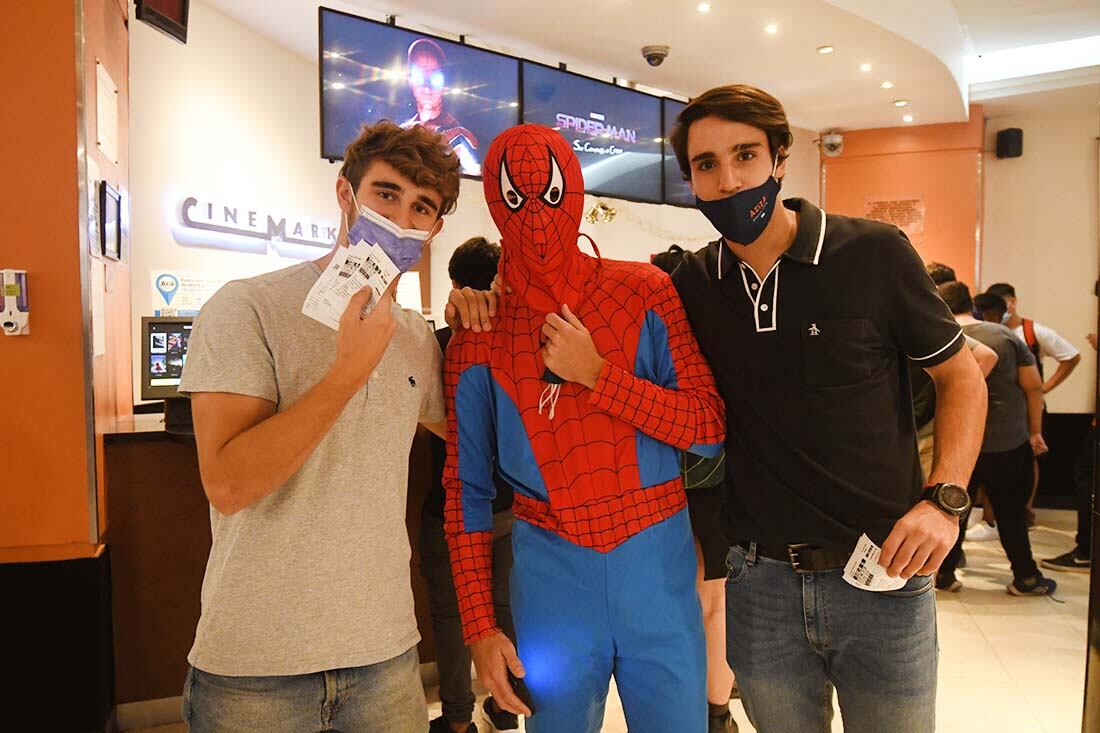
pixel 380 698
pixel 791 638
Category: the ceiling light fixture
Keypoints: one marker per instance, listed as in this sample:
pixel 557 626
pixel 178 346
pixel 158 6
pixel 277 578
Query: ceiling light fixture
pixel 703 7
pixel 864 67
pixel 907 118
pixel 825 49
pixel 887 85
pixel 772 29
pixel 901 102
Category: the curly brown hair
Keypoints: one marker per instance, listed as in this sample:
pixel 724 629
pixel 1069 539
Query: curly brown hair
pixel 417 153
pixel 736 103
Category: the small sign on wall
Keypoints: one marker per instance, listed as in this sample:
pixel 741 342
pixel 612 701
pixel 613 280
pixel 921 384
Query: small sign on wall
pixel 106 113
pixel 906 213
pixel 183 293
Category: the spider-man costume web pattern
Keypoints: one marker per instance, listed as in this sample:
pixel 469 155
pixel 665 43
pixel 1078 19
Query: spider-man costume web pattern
pixel 602 532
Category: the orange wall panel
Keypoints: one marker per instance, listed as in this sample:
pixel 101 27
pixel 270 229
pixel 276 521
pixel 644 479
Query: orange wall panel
pixel 44 495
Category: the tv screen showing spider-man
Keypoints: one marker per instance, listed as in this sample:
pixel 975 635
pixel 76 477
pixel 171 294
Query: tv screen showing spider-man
pixel 615 132
pixel 677 190
pixel 372 71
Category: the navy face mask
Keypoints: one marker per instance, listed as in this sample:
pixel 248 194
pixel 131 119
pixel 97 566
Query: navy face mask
pixel 744 216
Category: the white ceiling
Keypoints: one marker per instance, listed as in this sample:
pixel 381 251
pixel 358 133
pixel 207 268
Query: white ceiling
pixel 1085 97
pixel 998 24
pixel 726 45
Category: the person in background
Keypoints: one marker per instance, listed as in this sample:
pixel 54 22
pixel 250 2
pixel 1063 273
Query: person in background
pixel 473 265
pixel 1013 436
pixel 307 608
pixel 703 480
pixel 1043 342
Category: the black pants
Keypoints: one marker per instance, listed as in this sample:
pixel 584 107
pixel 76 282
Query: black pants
pixel 1007 477
pixel 1082 479
pixel 452 654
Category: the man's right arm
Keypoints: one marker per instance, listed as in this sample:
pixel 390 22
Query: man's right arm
pixel 247 451
pixel 1032 385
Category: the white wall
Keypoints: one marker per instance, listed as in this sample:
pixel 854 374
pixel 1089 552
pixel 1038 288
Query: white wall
pixel 233 116
pixel 1040 227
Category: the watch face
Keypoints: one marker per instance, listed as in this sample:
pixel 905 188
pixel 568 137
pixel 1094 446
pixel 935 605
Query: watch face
pixel 953 497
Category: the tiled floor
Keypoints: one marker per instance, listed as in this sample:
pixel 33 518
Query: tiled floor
pixel 1007 665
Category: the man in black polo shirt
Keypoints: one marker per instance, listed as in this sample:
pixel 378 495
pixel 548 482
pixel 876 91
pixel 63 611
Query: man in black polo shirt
pixel 808 322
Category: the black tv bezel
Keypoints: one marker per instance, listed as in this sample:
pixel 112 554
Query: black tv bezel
pixel 107 193
pixel 666 152
pixel 321 80
pixel 163 23
pixel 148 391
pixel 660 121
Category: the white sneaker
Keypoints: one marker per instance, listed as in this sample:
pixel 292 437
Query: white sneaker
pixel 982 533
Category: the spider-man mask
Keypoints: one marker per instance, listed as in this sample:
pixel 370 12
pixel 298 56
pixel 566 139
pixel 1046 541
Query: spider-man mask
pixel 535 191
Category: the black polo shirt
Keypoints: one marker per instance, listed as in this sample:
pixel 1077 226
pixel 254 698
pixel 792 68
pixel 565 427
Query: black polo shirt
pixel 811 359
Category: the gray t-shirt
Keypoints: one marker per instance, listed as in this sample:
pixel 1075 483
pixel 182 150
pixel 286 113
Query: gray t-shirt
pixel 315 576
pixel 1006 424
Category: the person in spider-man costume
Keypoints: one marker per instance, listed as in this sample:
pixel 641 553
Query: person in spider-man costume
pixel 584 413
pixel 428 85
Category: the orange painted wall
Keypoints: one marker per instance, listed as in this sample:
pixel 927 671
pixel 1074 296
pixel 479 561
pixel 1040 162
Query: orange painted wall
pixel 941 163
pixel 44 507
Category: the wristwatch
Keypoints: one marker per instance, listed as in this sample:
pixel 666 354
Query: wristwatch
pixel 949 498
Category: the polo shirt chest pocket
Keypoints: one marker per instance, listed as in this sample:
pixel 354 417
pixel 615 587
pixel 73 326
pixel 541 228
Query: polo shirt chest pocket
pixel 839 352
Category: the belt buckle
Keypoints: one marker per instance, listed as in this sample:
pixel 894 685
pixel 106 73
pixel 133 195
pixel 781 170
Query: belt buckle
pixel 792 555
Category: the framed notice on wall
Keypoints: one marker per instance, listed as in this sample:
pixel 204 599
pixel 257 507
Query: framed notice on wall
pixel 106 113
pixel 904 212
pixel 110 221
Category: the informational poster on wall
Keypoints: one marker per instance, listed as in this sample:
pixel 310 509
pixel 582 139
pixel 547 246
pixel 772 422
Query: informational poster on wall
pixel 106 113
pixel 183 293
pixel 904 212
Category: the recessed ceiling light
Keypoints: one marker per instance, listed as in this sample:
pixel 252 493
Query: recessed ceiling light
pixel 772 29
pixel 703 7
pixel 825 49
pixel 908 118
pixel 901 102
pixel 864 67
pixel 338 85
pixel 887 85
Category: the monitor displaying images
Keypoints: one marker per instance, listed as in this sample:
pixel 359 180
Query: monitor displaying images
pixel 677 190
pixel 615 131
pixel 164 355
pixel 372 71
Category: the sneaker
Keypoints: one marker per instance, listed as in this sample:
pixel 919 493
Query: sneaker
pixel 948 583
pixel 499 719
pixel 982 533
pixel 441 725
pixel 1069 561
pixel 1037 586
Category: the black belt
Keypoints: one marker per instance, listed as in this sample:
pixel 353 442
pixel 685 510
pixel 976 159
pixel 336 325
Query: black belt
pixel 805 558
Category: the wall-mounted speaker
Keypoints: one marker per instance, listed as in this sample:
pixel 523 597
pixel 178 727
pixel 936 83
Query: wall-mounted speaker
pixel 1010 143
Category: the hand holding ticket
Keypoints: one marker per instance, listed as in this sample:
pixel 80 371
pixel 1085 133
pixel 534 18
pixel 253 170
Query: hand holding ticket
pixel 864 572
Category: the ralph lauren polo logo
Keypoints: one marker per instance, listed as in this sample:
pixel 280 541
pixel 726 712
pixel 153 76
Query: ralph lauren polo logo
pixel 814 330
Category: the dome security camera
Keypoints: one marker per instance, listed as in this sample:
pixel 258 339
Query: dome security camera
pixel 655 55
pixel 832 144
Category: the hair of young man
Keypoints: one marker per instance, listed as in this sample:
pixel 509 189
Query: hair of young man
pixel 991 303
pixel 940 273
pixel 736 103
pixel 1002 289
pixel 668 260
pixel 417 153
pixel 957 297
pixel 474 263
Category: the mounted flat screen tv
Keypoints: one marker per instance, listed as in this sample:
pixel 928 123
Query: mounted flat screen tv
pixel 615 131
pixel 372 71
pixel 167 16
pixel 677 191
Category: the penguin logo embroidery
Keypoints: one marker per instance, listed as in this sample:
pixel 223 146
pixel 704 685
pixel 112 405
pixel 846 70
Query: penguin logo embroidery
pixel 814 330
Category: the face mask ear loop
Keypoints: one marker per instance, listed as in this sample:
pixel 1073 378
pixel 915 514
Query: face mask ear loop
pixel 775 166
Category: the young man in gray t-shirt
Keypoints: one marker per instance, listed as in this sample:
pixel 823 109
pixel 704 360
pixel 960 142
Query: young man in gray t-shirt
pixel 303 436
pixel 1013 437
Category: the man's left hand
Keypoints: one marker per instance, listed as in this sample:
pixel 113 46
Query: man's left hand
pixel 919 541
pixel 569 351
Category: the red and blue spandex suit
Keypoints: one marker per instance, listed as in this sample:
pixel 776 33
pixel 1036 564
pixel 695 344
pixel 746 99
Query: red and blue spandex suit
pixel 603 581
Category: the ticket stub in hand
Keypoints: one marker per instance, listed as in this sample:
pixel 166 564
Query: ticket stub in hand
pixel 352 268
pixel 864 572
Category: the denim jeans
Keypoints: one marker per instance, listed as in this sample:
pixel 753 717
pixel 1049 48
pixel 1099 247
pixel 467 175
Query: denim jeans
pixel 380 698
pixel 792 638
